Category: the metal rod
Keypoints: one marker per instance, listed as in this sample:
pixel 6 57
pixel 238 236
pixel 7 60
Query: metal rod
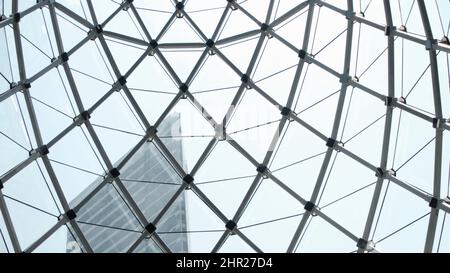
pixel 336 123
pixel 387 128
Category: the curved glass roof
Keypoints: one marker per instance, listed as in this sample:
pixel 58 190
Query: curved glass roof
pixel 224 126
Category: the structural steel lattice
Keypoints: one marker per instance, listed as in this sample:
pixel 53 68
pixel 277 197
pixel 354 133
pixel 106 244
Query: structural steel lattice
pixel 263 30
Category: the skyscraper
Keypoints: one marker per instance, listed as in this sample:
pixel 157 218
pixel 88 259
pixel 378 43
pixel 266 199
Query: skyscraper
pixel 106 220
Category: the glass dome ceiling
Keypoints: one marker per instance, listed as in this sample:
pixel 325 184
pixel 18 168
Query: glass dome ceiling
pixel 306 126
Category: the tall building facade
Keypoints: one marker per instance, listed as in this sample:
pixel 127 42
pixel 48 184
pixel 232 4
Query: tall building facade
pixel 106 220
